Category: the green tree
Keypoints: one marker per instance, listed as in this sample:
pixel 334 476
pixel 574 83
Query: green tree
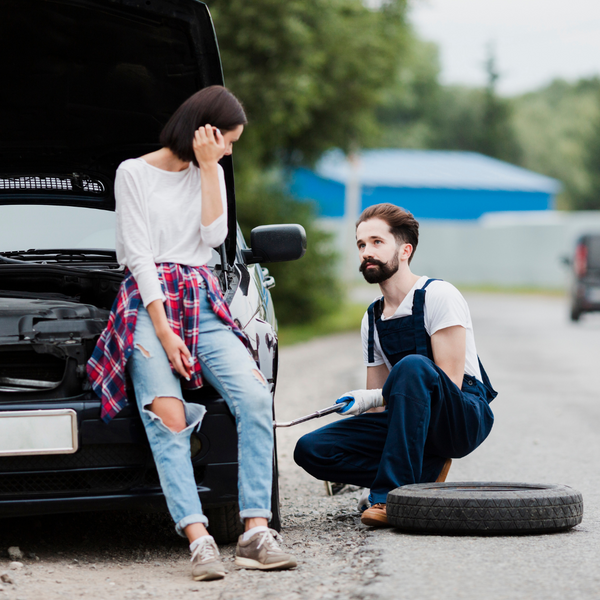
pixel 305 289
pixel 553 127
pixel 497 137
pixel 416 111
pixel 408 105
pixel 589 199
pixel 309 72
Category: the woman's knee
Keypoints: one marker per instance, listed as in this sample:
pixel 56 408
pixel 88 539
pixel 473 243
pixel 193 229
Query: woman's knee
pixel 261 402
pixel 170 411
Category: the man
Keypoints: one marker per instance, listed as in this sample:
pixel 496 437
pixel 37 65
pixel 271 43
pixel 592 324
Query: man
pixel 422 367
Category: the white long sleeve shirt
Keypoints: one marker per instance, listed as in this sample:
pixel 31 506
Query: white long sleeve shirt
pixel 159 219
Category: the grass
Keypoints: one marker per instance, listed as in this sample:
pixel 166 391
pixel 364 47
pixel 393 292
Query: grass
pixel 500 289
pixel 348 318
pixel 350 315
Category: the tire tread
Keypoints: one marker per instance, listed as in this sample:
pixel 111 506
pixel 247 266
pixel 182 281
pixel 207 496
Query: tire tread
pixel 429 508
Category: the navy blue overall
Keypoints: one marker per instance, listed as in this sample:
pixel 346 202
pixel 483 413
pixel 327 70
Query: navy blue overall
pixel 427 418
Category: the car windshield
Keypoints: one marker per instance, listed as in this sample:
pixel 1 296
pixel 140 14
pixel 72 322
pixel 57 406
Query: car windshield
pixel 43 227
pixel 25 227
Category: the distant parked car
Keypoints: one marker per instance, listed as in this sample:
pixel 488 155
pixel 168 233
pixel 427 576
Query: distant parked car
pixel 585 291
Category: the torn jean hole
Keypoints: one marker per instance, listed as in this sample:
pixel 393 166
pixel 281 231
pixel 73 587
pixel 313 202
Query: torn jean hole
pixel 259 376
pixel 143 350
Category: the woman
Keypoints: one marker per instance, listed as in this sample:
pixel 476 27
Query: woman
pixel 170 321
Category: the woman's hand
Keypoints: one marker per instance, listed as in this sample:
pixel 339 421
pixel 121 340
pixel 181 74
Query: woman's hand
pixel 177 352
pixel 208 145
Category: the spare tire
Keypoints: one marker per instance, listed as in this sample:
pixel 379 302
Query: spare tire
pixel 481 508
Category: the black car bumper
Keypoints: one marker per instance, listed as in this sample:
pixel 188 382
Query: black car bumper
pixel 113 467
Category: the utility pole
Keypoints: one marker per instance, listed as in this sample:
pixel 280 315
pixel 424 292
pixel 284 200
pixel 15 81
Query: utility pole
pixel 352 205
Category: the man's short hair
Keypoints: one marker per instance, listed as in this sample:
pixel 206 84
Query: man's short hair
pixel 403 225
pixel 214 105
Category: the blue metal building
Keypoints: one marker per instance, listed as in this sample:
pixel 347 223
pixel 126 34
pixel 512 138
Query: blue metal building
pixel 432 184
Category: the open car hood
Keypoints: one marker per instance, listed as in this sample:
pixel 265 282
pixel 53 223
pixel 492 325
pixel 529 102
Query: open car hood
pixel 87 84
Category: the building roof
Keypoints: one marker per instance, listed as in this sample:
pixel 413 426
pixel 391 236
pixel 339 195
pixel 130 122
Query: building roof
pixel 435 169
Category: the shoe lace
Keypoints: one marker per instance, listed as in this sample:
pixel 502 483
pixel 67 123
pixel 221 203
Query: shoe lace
pixel 205 552
pixel 270 538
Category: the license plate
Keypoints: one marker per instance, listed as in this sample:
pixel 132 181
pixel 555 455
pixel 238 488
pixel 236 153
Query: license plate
pixel 38 432
pixel 593 295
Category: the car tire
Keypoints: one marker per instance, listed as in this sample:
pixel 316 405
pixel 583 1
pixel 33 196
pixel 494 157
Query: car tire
pixel 275 507
pixel 575 313
pixel 482 508
pixel 224 523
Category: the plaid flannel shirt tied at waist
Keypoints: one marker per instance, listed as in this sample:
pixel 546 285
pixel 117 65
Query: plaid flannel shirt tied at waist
pixel 181 285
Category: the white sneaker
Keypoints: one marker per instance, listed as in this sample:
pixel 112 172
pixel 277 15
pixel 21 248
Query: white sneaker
pixel 206 561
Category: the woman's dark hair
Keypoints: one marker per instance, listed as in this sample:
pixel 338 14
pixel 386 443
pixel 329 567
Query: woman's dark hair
pixel 214 105
pixel 403 225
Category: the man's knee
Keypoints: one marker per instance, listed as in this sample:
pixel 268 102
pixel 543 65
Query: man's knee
pixel 413 365
pixel 410 369
pixel 303 451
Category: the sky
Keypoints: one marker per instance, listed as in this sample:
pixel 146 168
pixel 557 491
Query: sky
pixel 535 41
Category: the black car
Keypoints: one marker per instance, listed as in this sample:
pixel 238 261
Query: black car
pixel 585 290
pixel 86 85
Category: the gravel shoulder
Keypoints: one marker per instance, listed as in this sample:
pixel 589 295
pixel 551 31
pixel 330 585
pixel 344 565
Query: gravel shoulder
pixel 131 555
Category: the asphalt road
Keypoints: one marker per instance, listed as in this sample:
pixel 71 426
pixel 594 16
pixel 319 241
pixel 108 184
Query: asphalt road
pixel 547 430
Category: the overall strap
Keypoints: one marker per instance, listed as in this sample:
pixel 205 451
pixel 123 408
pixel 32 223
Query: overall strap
pixel 374 308
pixel 418 311
pixel 429 281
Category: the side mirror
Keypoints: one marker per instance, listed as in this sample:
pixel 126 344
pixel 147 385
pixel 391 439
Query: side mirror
pixel 566 261
pixel 276 243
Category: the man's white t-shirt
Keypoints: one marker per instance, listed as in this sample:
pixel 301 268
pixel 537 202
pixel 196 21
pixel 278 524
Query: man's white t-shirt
pixel 444 307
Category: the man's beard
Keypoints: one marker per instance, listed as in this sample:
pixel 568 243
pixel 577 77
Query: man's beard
pixel 381 272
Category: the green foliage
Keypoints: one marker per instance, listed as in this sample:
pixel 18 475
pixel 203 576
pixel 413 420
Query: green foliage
pixel 497 136
pixel 590 199
pixel 306 290
pixel 308 71
pixel 347 317
pixel 553 126
pixel 417 112
pixel 411 100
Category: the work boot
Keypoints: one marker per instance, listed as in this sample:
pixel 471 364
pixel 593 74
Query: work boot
pixel 376 516
pixel 262 551
pixel 332 489
pixel 206 562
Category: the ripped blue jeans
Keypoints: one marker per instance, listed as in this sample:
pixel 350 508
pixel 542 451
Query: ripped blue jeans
pixel 229 368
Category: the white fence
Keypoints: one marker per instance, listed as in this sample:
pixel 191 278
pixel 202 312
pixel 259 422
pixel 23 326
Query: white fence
pixel 499 249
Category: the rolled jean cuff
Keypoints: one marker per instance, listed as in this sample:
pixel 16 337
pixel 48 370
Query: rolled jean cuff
pixel 252 513
pixel 188 521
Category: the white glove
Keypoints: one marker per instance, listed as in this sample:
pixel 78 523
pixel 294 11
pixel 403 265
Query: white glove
pixel 360 401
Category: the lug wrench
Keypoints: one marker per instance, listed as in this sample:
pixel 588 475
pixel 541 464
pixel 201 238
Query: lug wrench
pixel 320 413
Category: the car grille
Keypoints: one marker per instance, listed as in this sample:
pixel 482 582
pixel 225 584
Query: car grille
pixel 105 455
pixel 97 480
pixel 74 182
pixel 95 469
